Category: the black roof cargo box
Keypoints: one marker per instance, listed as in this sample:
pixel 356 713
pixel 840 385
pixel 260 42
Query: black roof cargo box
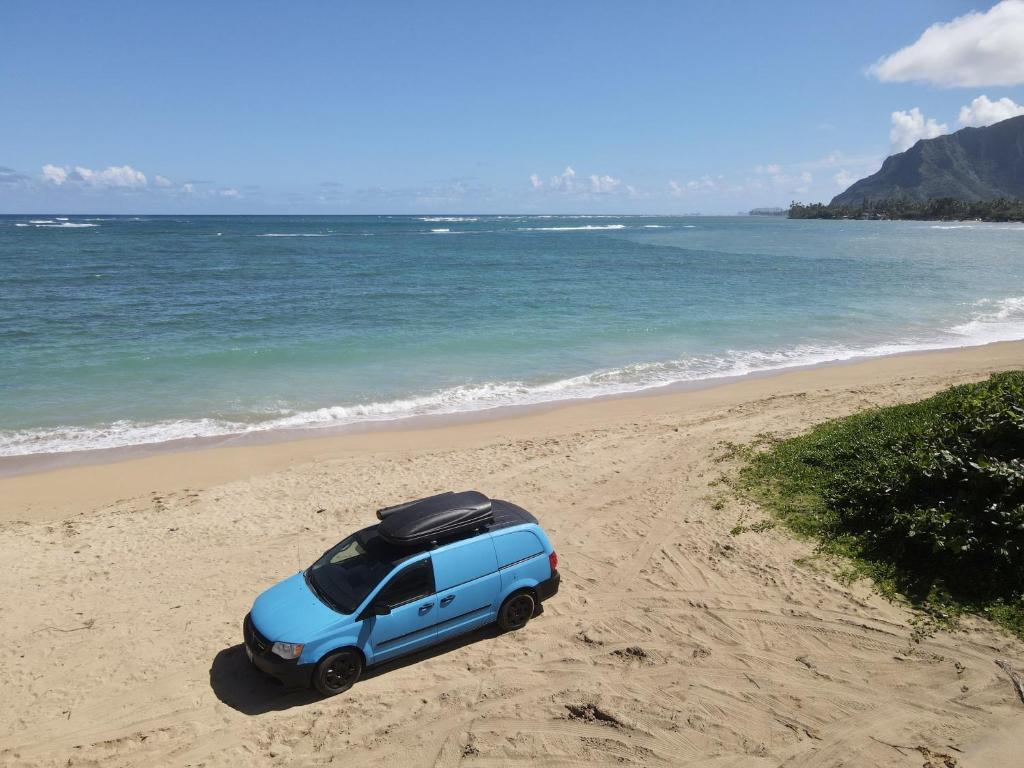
pixel 438 499
pixel 435 517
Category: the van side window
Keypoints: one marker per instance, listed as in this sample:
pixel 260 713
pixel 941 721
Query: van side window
pixel 516 546
pixel 414 582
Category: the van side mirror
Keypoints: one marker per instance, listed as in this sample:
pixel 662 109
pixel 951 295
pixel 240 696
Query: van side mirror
pixel 375 609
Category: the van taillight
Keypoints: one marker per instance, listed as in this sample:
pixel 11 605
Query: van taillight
pixel 553 561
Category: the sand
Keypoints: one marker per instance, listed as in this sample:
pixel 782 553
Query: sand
pixel 672 642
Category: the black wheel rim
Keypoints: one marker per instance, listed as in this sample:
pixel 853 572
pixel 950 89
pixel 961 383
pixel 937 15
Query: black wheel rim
pixel 341 672
pixel 519 610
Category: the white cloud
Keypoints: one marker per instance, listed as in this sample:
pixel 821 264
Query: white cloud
pixel 123 176
pixel 704 182
pixel 771 183
pixel 910 126
pixel 54 174
pixel 793 183
pixel 844 178
pixel 983 111
pixel 976 49
pixel 839 159
pixel 188 189
pixel 569 182
pixel 229 192
pixel 162 181
pixel 603 184
pixel 566 181
pixel 116 176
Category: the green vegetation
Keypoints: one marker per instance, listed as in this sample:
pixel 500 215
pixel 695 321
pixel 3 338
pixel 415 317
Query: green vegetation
pixel 926 498
pixel 943 209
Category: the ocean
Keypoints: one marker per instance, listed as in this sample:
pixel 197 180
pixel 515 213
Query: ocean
pixel 121 331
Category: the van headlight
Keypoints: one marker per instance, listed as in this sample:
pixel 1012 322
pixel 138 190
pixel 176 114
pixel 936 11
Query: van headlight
pixel 287 650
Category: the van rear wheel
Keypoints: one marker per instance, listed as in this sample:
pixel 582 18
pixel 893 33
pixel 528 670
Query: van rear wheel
pixel 338 672
pixel 516 611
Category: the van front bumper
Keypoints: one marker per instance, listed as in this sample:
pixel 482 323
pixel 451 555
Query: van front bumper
pixel 289 673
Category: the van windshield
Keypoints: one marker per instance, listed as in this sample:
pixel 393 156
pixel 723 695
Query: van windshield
pixel 347 572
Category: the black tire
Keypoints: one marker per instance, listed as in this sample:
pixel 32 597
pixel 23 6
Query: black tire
pixel 516 611
pixel 338 671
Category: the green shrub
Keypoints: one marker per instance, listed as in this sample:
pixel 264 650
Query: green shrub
pixel 931 493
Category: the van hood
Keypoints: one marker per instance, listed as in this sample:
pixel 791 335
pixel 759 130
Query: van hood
pixel 289 612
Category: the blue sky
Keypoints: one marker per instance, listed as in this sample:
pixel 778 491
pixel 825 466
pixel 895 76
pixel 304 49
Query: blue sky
pixel 392 107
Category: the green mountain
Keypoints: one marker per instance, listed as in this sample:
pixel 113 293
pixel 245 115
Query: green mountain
pixel 971 164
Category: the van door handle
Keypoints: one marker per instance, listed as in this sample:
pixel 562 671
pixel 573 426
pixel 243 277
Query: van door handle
pixel 446 600
pixel 425 608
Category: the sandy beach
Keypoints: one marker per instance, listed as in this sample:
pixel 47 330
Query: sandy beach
pixel 672 642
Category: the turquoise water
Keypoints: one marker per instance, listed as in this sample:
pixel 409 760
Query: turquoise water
pixel 125 330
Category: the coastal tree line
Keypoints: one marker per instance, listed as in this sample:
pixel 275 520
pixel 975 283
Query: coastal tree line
pixel 941 209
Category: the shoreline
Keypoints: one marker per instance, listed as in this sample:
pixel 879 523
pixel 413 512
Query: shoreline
pixel 109 474
pixel 33 463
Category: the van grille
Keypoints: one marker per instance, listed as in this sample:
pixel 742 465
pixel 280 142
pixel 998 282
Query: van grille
pixel 253 638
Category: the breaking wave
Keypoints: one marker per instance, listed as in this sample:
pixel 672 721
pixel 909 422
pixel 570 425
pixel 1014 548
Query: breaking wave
pixel 55 224
pixel 992 320
pixel 572 229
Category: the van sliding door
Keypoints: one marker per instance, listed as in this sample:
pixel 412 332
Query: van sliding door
pixel 467 586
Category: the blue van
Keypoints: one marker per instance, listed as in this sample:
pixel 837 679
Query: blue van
pixel 431 569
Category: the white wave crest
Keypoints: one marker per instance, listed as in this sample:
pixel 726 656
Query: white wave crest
pixel 44 224
pixel 995 320
pixel 294 234
pixel 449 218
pixel 572 229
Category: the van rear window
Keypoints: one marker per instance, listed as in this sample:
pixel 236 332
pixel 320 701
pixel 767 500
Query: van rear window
pixel 515 546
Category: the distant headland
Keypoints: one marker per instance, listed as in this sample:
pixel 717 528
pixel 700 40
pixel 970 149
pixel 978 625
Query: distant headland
pixel 975 173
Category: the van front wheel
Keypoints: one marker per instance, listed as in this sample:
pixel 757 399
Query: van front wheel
pixel 516 611
pixel 338 672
